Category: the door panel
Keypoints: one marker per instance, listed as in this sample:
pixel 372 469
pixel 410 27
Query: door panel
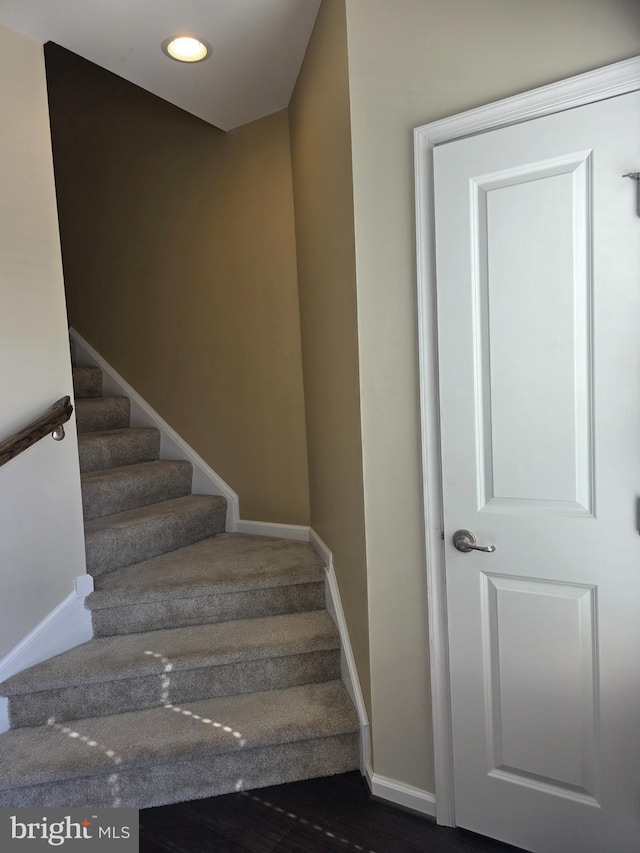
pixel 534 434
pixel 538 270
pixel 542 707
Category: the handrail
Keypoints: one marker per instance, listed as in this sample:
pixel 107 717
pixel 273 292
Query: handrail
pixel 58 415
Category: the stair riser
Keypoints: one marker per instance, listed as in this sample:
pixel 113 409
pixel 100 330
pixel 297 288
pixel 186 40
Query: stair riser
pixel 124 545
pixel 116 697
pixel 97 453
pixel 201 610
pixel 165 782
pixel 103 497
pixel 87 382
pixel 103 413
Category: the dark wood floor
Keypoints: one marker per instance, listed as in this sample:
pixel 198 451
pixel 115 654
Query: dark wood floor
pixel 318 816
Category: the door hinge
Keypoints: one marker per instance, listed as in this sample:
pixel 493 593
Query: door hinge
pixel 635 176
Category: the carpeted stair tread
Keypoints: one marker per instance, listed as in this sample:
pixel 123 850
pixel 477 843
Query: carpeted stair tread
pixel 125 538
pixel 204 609
pixel 124 657
pixel 227 563
pixel 115 490
pixel 46 754
pixel 87 382
pixel 214 664
pixel 100 413
pixel 116 447
pixel 160 783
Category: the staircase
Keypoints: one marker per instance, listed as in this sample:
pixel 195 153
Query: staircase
pixel 214 666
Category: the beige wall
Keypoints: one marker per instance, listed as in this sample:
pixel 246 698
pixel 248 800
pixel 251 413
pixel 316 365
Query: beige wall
pixel 180 267
pixel 321 152
pixel 412 62
pixel 41 532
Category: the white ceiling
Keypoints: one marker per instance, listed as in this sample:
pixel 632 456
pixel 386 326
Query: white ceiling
pixel 258 47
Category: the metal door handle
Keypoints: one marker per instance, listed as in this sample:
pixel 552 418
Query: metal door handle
pixel 465 541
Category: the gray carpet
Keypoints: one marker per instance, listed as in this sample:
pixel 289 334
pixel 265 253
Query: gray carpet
pixel 214 665
pixel 115 674
pixel 229 562
pixel 130 486
pixel 93 749
pixel 110 448
pixel 87 382
pixel 114 541
pixel 102 413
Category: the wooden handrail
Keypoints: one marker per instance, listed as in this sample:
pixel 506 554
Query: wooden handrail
pixel 58 415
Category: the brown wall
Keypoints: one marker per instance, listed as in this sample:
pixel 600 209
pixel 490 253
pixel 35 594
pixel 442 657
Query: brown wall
pixel 323 191
pixel 412 62
pixel 180 267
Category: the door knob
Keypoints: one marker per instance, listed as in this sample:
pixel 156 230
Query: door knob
pixel 465 541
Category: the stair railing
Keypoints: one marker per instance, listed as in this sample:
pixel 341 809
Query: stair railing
pixel 49 423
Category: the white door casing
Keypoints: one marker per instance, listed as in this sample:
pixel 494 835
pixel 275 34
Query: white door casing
pixel 538 444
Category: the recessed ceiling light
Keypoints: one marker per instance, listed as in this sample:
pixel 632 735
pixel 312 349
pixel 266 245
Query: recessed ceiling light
pixel 186 48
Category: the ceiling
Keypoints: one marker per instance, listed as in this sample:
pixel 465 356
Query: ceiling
pixel 257 47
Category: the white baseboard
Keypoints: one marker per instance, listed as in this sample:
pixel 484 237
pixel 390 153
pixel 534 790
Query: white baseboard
pixel 403 795
pixel 172 446
pixel 68 625
pixel 321 549
pixel 348 667
pixel 84 585
pixel 296 532
pixel 365 747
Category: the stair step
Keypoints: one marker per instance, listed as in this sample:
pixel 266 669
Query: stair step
pixel 163 755
pixel 118 540
pixel 87 382
pixel 118 489
pixel 72 350
pixel 118 674
pixel 116 447
pixel 95 414
pixel 230 576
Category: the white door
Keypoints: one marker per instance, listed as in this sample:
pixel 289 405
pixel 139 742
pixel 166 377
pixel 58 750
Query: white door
pixel 538 290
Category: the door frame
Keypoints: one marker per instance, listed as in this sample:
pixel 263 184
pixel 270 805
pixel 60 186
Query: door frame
pixel 606 82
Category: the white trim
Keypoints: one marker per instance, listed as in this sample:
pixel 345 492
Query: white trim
pixel 84 585
pixel 349 670
pixel 321 549
pixel 618 79
pixel 172 446
pixel 296 532
pixel 61 629
pixel 607 82
pixel 66 626
pixel 365 746
pixel 432 483
pixel 403 795
pixel 5 725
